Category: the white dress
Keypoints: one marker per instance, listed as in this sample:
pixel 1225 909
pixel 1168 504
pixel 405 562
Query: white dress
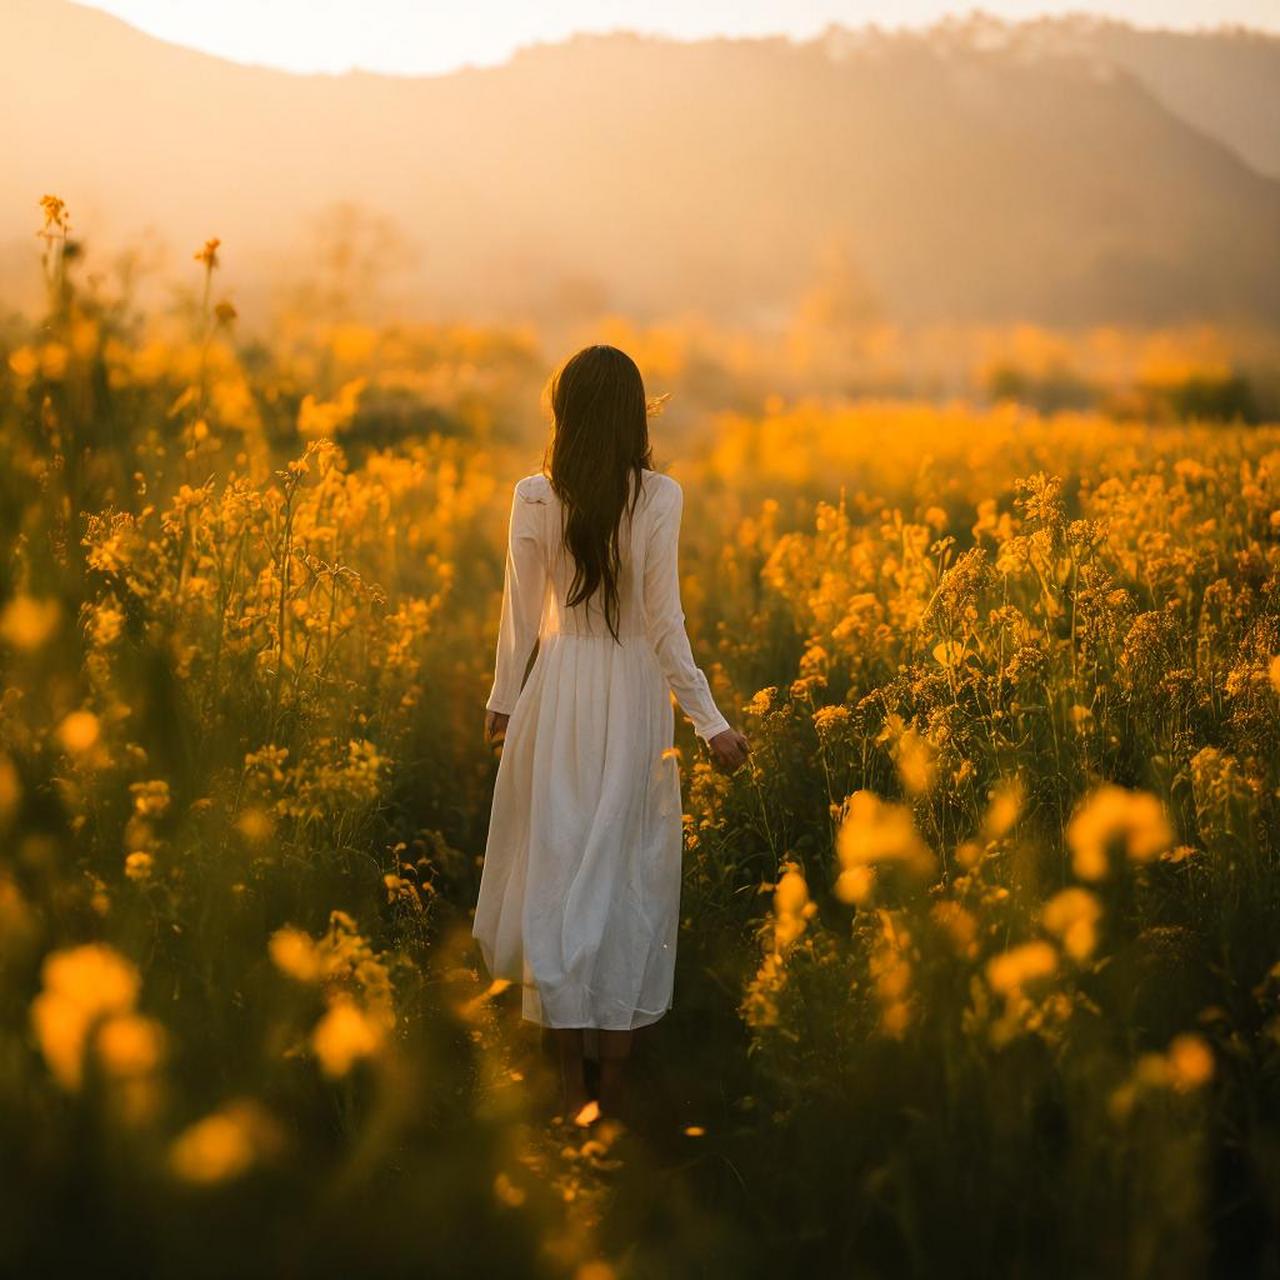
pixel 580 891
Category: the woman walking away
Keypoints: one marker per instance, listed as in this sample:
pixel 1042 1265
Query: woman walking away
pixel 580 893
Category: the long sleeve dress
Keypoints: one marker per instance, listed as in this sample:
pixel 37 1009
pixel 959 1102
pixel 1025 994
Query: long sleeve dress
pixel 580 890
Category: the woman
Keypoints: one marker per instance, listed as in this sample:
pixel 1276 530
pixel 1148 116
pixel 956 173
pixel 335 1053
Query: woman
pixel 580 893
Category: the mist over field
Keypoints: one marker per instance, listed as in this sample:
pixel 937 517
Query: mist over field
pixel 1065 171
pixel 964 347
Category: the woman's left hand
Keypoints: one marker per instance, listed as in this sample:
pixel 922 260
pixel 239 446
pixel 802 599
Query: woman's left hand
pixel 495 725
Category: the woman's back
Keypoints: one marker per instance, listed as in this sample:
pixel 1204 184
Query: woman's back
pixel 540 575
pixel 587 618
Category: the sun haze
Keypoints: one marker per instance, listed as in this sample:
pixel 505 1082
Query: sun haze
pixel 408 38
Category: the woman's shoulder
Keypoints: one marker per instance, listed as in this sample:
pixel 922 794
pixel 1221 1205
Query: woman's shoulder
pixel 657 486
pixel 664 488
pixel 534 487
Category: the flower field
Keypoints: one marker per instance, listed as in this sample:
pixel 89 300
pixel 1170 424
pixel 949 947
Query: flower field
pixel 979 971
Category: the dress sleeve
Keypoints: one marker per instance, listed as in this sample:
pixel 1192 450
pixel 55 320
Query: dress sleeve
pixel 523 591
pixel 664 622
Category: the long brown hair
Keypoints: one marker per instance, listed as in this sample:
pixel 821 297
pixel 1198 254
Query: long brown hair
pixel 599 449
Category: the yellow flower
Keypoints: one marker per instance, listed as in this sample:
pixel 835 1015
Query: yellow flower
pixel 80 986
pixel 54 358
pixel 507 1192
pixel 79 731
pixel 55 212
pixel 209 254
pixel 917 762
pixel 294 953
pixel 27 623
pixel 1190 1062
pixel 255 825
pixel 874 833
pixel 130 1045
pixel 913 753
pixel 226 1144
pixel 959 925
pixel 890 966
pixel 1073 916
pixel 24 363
pixel 1003 810
pixel 791 906
pixel 1187 1065
pixel 150 799
pixel 343 1036
pixel 855 884
pixel 1111 815
pixel 318 418
pixel 139 865
pixel 829 721
pixel 1274 672
pixel 105 625
pixel 1010 971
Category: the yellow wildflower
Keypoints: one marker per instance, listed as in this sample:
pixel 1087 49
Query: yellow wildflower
pixel 1111 815
pixel 1073 916
pixel 130 1045
pixel 80 986
pixel 1010 971
pixel 209 254
pixel 139 865
pixel 877 833
pixel 226 1144
pixel 79 731
pixel 28 623
pixel 343 1036
pixel 1190 1062
pixel 294 953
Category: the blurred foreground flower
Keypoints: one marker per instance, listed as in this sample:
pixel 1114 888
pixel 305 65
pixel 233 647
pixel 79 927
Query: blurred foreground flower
pixel 78 732
pixel 792 908
pixel 209 253
pixel 295 954
pixel 81 986
pixel 1187 1065
pixel 27 623
pixel 1072 916
pixel 347 966
pixel 792 911
pixel 1021 966
pixel 875 833
pixel 226 1144
pixel 1112 817
pixel 345 1035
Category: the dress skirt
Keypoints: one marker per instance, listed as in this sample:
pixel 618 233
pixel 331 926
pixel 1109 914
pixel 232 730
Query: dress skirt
pixel 581 896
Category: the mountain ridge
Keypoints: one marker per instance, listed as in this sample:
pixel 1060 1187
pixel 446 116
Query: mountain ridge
pixel 960 176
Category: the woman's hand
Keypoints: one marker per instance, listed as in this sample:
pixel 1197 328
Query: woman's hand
pixel 729 749
pixel 495 725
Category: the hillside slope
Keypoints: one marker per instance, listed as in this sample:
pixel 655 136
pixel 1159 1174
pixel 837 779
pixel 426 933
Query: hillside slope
pixel 966 179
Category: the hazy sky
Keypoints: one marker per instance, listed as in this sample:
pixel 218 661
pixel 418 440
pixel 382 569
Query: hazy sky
pixel 429 35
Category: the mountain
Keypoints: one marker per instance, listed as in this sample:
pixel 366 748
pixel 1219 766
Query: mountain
pixel 958 173
pixel 1225 82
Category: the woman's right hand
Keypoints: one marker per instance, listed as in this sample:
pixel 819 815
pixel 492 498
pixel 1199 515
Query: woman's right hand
pixel 729 749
